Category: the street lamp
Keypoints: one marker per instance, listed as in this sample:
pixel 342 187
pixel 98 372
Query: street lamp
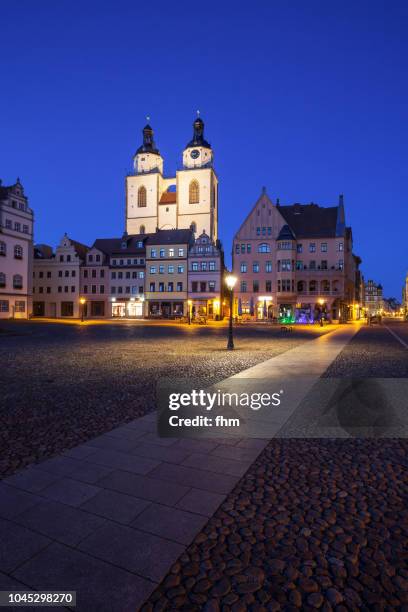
pixel 82 301
pixel 189 304
pixel 230 282
pixel 321 302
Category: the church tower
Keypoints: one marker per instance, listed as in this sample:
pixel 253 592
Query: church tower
pixel 197 186
pixel 143 188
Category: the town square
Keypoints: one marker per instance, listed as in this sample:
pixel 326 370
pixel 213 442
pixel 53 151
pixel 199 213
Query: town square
pixel 204 307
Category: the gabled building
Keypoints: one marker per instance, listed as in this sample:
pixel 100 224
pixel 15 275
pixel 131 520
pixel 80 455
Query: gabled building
pixel 16 252
pixel 56 279
pixel 295 262
pixel 374 302
pixel 205 278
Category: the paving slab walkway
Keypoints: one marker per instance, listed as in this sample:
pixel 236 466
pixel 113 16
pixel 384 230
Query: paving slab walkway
pixel 109 517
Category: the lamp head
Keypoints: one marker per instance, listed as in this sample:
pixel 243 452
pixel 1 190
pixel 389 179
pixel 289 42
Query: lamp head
pixel 230 281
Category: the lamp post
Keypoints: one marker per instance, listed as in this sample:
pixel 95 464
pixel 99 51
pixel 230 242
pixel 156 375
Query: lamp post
pixel 230 282
pixel 189 304
pixel 82 301
pixel 321 302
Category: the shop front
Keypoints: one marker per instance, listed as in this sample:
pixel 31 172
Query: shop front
pixel 287 313
pixel 128 309
pixel 168 309
pixel 264 307
pixel 208 308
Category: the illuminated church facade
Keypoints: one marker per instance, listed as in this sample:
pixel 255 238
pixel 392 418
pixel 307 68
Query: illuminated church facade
pixel 188 200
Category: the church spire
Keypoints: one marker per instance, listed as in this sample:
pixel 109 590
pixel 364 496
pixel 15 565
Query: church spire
pixel 148 146
pixel 198 134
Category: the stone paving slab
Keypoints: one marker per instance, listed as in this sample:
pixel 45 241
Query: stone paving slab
pixel 109 517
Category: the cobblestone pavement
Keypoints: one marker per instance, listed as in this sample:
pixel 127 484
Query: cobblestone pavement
pixel 65 384
pixel 313 524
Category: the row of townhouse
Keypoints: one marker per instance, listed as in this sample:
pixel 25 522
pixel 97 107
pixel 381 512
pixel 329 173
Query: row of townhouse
pixel 165 274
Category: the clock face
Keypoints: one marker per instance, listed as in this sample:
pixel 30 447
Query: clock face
pixel 195 153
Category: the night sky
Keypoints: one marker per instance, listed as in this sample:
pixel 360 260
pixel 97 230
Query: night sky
pixel 307 98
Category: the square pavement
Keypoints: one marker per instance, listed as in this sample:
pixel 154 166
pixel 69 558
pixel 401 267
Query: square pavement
pixel 109 517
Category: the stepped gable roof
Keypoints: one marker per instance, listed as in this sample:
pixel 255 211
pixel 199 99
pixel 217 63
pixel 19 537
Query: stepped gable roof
pixel 310 220
pixel 172 236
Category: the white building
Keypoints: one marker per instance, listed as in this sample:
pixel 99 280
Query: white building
pixel 188 200
pixel 56 279
pixel 16 252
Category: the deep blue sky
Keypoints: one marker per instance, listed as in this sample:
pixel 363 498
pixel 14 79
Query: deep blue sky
pixel 307 98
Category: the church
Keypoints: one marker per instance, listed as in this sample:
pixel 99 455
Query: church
pixel 188 200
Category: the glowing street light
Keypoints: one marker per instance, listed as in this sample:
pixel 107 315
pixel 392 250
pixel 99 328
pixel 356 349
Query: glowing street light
pixel 189 305
pixel 230 281
pixel 82 301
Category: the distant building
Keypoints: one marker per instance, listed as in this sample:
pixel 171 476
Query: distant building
pixel 124 272
pixel 187 200
pixel 94 285
pixel 295 262
pixel 206 277
pixel 167 272
pixel 16 252
pixel 405 297
pixel 373 298
pixel 56 279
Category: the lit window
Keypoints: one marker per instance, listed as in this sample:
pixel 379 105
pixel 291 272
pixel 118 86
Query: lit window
pixel 194 192
pixel 18 251
pixel 141 198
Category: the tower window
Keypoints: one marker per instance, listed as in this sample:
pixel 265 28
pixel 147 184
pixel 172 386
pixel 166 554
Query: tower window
pixel 142 230
pixel 141 196
pixel 194 192
pixel 193 226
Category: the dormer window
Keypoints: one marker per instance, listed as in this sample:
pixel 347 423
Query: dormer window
pixel 124 244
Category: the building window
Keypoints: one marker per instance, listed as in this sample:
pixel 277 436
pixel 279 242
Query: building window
pixel 41 274
pixel 120 289
pixel 299 248
pixel 286 265
pixel 180 269
pixel 25 229
pixel 181 252
pixel 170 286
pixel 60 289
pixel 299 265
pixel 3 249
pixel 203 266
pixel 171 252
pixel 8 224
pixel 211 266
pixel 66 288
pixel 312 264
pixel 179 286
pixel 18 252
pixel 4 305
pixel 341 264
pixel 102 274
pixel 152 286
pixel 66 273
pixel 312 247
pixel 258 231
pixel 48 274
pixel 113 289
pixel 19 306
pixel 194 286
pixel 142 230
pixel 194 192
pixel 268 286
pixel 211 286
pixel 162 253
pixel 255 286
pixel 153 252
pixel 255 266
pixel 264 248
pixel 90 257
pixel 237 248
pixel 141 197
pixel 93 288
pixel 269 231
pixel 97 258
pixel 40 289
pixel 203 286
pixel 141 274
pixel 340 246
pixel 127 275
pixel 194 266
pixel 324 264
pixel 17 226
pixel 243 286
pixel 152 269
pixel 242 248
pixel 2 279
pixel 323 247
pixel 268 266
pixel 161 286
pixel 243 267
pixel 102 289
pixel 248 248
pixel 67 309
pixel 68 257
pixel 17 281
pixel 161 269
pixel 193 227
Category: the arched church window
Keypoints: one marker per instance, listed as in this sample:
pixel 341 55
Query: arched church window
pixel 142 229
pixel 141 196
pixel 194 192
